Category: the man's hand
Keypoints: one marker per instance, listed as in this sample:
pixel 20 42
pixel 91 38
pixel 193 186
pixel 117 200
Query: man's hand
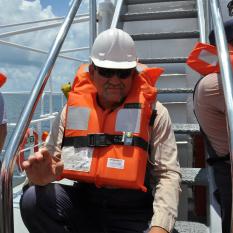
pixel 42 168
pixel 157 230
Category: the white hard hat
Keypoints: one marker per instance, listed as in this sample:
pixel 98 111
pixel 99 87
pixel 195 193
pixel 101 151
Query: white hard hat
pixel 114 49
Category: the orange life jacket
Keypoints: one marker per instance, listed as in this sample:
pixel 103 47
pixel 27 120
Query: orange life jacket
pixel 204 59
pixel 109 148
pixel 3 79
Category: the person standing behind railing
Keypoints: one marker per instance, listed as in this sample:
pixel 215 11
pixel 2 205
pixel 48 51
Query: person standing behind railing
pixel 3 121
pixel 210 110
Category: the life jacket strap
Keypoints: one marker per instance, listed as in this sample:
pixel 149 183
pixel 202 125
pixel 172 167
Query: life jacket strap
pixel 101 140
pixel 153 116
pixel 213 160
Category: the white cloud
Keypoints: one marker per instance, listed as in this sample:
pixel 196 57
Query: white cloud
pixel 21 66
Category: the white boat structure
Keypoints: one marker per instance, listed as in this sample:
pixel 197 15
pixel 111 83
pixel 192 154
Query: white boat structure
pixel 164 31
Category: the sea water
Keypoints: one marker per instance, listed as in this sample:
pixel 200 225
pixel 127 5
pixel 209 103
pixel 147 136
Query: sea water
pixel 15 103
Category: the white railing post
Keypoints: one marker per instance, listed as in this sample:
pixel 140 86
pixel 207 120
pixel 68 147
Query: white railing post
pixel 92 25
pixel 105 14
pixel 202 21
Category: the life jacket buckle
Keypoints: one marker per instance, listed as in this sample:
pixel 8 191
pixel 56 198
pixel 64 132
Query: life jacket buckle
pixel 127 138
pixel 95 140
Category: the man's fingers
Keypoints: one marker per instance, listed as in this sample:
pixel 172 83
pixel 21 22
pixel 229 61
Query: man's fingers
pixel 25 164
pixel 59 168
pixel 37 157
pixel 44 151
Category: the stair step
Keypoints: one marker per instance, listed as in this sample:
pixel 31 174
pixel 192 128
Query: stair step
pixel 163 60
pixel 190 227
pixel 166 35
pixel 175 75
pixel 186 128
pixel 171 14
pixel 194 176
pixel 131 2
pixel 174 90
pixel 172 80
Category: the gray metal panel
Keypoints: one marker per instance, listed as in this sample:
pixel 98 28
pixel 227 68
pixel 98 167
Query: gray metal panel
pixel 166 35
pixel 174 90
pixel 186 128
pixel 172 81
pixel 175 48
pixel 163 60
pixel 152 1
pixel 173 14
pixel 162 6
pixel 177 111
pixel 159 26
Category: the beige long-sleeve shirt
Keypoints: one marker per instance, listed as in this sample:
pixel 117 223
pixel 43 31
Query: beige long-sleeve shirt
pixel 210 109
pixel 165 171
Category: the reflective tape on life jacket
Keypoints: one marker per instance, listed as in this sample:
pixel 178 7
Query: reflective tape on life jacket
pixel 3 79
pixel 204 59
pixel 109 148
pixel 28 146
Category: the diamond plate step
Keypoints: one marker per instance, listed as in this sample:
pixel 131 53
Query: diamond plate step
pixel 190 227
pixel 166 35
pixel 171 14
pixel 194 176
pixel 163 60
pixel 130 2
pixel 186 128
pixel 174 90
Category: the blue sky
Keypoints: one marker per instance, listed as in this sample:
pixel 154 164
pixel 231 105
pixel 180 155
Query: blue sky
pixel 59 7
pixel 22 67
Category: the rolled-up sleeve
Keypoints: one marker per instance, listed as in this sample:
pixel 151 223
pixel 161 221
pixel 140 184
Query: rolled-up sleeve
pixel 164 170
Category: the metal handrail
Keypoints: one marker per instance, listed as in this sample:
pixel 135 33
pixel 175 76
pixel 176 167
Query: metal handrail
pixel 201 21
pixel 38 28
pixel 28 92
pixel 117 13
pixel 38 21
pixel 226 73
pixel 215 225
pixel 6 203
pixel 93 28
pixel 37 50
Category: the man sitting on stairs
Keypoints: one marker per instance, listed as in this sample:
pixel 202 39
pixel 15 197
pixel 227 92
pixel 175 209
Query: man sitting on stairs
pixel 210 110
pixel 116 142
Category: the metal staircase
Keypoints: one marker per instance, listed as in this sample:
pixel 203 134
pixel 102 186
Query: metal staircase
pixel 164 33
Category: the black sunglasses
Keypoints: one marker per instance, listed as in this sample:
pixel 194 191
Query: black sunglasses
pixel 108 73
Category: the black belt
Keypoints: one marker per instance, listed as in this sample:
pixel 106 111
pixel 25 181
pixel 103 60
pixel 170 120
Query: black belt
pixel 100 140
